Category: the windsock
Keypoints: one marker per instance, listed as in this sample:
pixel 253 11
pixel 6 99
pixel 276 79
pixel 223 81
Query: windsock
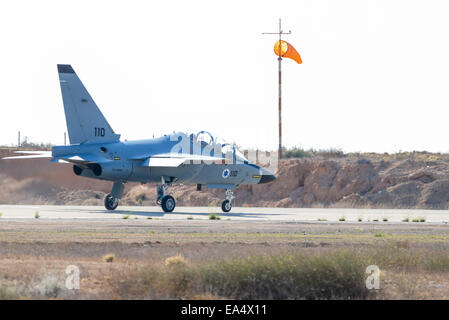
pixel 287 51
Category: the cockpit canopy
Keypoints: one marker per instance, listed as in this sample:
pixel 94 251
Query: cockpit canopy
pixel 206 144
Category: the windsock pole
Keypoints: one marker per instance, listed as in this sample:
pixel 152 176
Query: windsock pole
pixel 280 95
pixel 280 33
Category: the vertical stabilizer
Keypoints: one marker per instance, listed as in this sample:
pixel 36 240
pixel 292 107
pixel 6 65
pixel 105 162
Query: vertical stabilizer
pixel 85 122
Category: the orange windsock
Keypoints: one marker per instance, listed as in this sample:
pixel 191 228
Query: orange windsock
pixel 287 51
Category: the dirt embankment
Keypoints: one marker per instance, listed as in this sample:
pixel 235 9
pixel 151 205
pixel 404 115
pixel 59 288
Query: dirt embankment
pixel 410 181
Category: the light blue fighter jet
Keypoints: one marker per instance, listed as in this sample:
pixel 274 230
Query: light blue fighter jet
pixel 95 151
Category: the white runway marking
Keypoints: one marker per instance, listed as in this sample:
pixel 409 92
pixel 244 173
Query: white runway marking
pixel 237 213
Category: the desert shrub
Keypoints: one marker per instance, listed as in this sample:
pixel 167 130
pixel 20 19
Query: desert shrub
pixel 379 235
pixel 7 294
pixel 48 286
pixel 297 276
pixel 177 279
pixel 329 153
pixel 108 257
pixel 140 197
pixel 175 261
pixel 338 275
pixel 295 152
pixel 214 216
pixel 394 258
pixel 438 263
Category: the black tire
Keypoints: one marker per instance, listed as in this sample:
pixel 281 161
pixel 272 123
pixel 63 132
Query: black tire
pixel 168 203
pixel 226 206
pixel 110 203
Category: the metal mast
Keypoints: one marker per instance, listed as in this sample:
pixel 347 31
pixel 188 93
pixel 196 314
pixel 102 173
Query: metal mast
pixel 280 33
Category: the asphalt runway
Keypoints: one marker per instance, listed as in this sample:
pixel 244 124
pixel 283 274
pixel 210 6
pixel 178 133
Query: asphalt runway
pixel 237 213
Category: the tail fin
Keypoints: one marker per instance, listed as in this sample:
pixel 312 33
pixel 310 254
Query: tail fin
pixel 85 122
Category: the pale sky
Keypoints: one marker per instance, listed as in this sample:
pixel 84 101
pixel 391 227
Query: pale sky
pixel 375 74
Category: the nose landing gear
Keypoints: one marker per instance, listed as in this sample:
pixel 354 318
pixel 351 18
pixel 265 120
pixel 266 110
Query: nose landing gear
pixel 226 205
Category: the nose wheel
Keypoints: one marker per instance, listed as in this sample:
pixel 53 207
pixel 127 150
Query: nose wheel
pixel 226 205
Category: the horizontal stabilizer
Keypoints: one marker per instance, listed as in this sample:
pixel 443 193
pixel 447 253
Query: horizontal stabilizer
pixel 34 156
pixel 30 155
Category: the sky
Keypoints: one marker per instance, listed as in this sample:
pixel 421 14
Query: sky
pixel 374 78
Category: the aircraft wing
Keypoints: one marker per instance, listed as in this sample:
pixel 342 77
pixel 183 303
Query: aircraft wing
pixel 176 159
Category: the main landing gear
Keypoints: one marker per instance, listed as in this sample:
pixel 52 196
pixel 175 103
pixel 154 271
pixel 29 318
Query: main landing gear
pixel 166 201
pixel 112 200
pixel 226 205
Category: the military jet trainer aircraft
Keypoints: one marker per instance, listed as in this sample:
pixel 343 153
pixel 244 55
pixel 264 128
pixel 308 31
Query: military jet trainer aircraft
pixel 95 151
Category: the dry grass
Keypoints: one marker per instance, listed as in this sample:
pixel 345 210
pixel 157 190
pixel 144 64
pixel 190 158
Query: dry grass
pixel 407 272
pixel 173 260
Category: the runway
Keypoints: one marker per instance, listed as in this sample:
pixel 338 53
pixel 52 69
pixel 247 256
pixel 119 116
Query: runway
pixel 238 213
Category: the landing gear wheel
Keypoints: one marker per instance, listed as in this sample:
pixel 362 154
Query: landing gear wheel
pixel 226 206
pixel 110 203
pixel 168 203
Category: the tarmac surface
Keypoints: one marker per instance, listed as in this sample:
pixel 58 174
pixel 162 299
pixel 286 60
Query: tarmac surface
pixel 238 213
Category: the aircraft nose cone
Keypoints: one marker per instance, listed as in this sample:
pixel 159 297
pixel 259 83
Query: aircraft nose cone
pixel 267 176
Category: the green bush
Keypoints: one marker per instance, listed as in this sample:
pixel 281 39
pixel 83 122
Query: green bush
pixel 214 216
pixel 379 235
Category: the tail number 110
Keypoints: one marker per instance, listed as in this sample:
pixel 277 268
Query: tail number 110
pixel 99 132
